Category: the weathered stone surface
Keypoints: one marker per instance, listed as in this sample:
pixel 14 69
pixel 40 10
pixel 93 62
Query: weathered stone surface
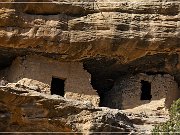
pixel 33 71
pixel 128 34
pixel 141 27
pixel 26 110
pixel 31 84
pixel 111 38
pixel 127 92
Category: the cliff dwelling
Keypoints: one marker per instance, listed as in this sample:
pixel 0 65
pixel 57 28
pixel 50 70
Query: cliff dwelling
pixel 67 79
pixel 89 65
pixel 142 89
pixel 72 81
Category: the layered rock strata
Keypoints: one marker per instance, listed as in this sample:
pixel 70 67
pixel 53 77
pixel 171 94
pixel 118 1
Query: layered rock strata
pixel 26 110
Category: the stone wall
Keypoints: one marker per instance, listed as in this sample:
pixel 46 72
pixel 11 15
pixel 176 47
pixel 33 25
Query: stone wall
pixel 77 80
pixel 126 93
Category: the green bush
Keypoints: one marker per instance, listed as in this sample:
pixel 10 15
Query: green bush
pixel 172 126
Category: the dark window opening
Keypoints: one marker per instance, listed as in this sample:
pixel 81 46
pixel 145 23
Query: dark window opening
pixel 145 90
pixel 57 86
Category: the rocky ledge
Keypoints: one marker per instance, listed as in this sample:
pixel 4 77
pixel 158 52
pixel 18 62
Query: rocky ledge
pixel 110 39
pixel 26 110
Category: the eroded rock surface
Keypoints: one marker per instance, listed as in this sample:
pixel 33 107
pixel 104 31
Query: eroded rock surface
pixel 124 30
pixel 111 38
pixel 26 110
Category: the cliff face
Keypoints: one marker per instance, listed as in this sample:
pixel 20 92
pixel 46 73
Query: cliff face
pixel 26 110
pixel 113 37
pixel 110 38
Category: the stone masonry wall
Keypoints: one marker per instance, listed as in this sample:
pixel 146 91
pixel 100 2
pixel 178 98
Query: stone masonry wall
pixel 77 80
pixel 126 92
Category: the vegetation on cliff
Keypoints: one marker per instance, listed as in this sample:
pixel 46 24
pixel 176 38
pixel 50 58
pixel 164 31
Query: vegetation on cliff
pixel 172 125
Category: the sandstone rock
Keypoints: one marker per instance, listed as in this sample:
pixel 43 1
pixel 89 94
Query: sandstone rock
pixel 31 85
pixel 29 111
pixel 108 29
pixel 128 34
pixel 110 38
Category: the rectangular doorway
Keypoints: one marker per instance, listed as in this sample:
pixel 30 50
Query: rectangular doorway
pixel 145 90
pixel 57 86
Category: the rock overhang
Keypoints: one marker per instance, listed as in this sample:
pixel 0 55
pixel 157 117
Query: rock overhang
pixel 111 39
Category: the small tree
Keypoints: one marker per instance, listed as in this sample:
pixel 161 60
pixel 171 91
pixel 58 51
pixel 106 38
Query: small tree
pixel 172 126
